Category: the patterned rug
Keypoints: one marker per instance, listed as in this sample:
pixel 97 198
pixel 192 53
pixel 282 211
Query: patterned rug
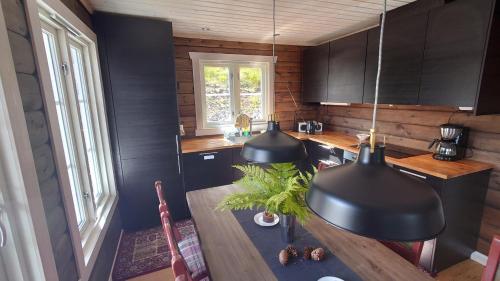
pixel 146 251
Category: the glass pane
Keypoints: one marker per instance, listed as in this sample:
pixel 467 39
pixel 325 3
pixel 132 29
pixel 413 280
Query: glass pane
pixel 86 121
pixel 251 95
pixel 64 126
pixel 218 94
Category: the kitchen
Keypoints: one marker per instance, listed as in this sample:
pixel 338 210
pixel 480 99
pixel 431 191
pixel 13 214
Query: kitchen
pixel 186 122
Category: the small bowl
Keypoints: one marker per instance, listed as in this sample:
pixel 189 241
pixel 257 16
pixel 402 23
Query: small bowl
pixel 330 278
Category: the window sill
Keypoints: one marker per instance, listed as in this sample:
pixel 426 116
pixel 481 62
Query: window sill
pixel 220 131
pixel 92 245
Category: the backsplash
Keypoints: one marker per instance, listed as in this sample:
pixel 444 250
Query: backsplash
pixel 416 126
pixel 288 71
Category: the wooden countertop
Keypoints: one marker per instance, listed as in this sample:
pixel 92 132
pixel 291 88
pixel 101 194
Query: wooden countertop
pixel 231 255
pixel 422 163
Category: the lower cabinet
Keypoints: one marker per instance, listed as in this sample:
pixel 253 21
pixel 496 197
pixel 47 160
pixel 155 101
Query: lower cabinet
pixel 239 160
pixel 463 201
pixel 318 151
pixel 207 169
pixel 215 168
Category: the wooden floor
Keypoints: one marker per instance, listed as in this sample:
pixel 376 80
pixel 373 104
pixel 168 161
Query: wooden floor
pixel 160 275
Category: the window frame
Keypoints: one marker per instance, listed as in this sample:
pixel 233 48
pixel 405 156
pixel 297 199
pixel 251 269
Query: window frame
pixel 86 245
pixel 235 61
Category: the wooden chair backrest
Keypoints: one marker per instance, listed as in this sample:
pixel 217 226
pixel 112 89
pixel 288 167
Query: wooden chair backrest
pixel 181 273
pixel 491 271
pixel 410 254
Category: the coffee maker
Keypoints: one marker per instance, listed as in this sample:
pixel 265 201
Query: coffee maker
pixel 453 143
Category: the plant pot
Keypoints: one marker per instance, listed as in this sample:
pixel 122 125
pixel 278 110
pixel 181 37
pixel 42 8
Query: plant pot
pixel 287 225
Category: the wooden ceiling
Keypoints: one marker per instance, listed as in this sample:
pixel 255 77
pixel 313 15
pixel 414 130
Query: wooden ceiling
pixel 299 22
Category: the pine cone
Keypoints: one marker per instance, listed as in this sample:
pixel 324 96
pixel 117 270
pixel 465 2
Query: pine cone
pixel 318 254
pixel 307 252
pixel 283 257
pixel 292 251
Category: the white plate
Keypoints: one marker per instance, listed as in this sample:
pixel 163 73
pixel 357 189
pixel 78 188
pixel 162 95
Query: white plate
pixel 330 278
pixel 259 219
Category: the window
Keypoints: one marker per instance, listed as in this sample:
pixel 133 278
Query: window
pixel 229 85
pixel 76 113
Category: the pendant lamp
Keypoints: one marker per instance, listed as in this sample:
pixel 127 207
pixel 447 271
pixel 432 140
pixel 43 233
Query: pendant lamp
pixel 371 199
pixel 274 146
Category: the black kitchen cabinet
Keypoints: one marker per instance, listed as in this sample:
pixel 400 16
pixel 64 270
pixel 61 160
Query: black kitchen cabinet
pixel 456 44
pixel 239 160
pixel 320 152
pixel 403 48
pixel 315 73
pixel 346 72
pixel 207 169
pixel 303 166
pixel 463 202
pixel 138 70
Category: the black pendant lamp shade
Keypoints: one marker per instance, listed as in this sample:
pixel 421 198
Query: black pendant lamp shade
pixel 274 146
pixel 371 199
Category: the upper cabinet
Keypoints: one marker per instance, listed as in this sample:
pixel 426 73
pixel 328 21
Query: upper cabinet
pixel 315 75
pixel 403 48
pixel 347 69
pixel 454 55
pixel 435 52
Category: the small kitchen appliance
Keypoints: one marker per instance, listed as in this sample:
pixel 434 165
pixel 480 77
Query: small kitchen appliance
pixel 310 127
pixel 452 145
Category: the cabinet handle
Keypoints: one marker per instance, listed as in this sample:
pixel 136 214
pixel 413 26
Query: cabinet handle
pixel 177 143
pixel 208 153
pixel 413 174
pixel 3 236
pixel 178 154
pixel 179 163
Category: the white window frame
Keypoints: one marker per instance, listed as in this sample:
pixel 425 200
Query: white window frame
pixel 233 61
pixel 86 244
pixel 24 202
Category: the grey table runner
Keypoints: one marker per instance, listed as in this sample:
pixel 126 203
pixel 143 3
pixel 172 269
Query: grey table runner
pixel 268 242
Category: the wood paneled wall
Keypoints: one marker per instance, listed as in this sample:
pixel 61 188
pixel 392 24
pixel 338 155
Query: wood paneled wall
pixel 416 126
pixel 412 126
pixel 288 71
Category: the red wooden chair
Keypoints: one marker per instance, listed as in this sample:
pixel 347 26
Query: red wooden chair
pixel 491 271
pixel 322 166
pixel 409 251
pixel 179 267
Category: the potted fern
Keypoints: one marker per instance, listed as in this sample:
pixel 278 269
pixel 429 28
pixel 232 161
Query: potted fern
pixel 279 189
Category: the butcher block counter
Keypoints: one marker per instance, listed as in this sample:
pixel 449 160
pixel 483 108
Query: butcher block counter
pixel 422 163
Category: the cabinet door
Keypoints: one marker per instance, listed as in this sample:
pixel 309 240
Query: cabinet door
pixel 139 85
pixel 142 76
pixel 315 73
pixel 403 47
pixel 454 51
pixel 138 199
pixel 347 69
pixel 207 169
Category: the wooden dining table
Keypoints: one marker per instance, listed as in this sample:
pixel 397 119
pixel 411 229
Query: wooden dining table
pixel 231 255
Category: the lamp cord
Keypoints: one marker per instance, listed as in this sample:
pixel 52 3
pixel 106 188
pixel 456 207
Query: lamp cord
pixel 274 29
pixel 377 81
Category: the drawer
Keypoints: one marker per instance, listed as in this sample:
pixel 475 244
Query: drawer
pixel 207 169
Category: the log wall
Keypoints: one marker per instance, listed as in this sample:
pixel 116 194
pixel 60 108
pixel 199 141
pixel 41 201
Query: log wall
pixel 288 71
pixel 412 126
pixel 416 126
